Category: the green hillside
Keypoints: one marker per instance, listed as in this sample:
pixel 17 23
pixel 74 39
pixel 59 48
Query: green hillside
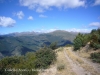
pixel 18 44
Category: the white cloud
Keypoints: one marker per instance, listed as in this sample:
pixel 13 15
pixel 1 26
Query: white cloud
pixel 42 5
pixel 45 30
pixel 30 18
pixel 97 2
pixel 6 21
pixel 95 24
pixel 40 10
pixel 69 30
pixel 43 16
pixel 20 14
pixel 79 30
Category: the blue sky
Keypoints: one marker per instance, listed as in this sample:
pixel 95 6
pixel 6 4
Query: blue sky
pixel 47 16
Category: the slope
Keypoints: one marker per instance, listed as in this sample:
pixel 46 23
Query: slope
pixel 69 63
pixel 21 43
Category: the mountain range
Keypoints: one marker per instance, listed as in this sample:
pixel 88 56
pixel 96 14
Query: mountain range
pixel 16 44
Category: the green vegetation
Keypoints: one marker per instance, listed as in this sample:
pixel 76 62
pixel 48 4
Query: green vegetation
pixel 80 41
pixel 60 67
pixel 53 45
pixel 28 64
pixel 18 65
pixel 69 45
pixel 95 57
pixel 44 57
pixel 20 43
pixel 94 38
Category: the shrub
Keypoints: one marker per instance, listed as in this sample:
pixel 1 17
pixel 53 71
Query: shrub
pixel 44 57
pixel 80 41
pixel 69 45
pixel 53 45
pixel 22 62
pixel 96 46
pixel 95 57
pixel 60 67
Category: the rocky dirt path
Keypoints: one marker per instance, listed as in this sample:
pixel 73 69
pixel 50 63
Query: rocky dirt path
pixel 75 67
pixel 73 64
pixel 79 65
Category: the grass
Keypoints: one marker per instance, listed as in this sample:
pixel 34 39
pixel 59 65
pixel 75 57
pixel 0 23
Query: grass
pixel 73 56
pixel 95 57
pixel 83 64
pixel 60 67
pixel 63 66
pixel 59 49
pixel 83 54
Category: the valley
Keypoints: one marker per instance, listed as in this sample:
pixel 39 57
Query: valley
pixel 17 44
pixel 55 53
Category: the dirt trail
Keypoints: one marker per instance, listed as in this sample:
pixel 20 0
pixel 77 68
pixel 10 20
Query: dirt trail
pixel 79 65
pixel 96 66
pixel 73 64
pixel 75 67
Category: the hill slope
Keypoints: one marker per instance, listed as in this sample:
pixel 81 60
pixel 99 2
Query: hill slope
pixel 70 63
pixel 21 43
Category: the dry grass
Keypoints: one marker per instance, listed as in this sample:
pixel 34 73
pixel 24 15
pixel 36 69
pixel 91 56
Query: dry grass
pixel 73 56
pixel 84 54
pixel 90 69
pixel 50 71
pixel 59 49
pixel 61 60
pixel 81 62
pixel 63 63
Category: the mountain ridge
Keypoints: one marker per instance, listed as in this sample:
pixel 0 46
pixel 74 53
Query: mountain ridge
pixel 22 43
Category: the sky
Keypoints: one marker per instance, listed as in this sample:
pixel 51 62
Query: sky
pixel 49 15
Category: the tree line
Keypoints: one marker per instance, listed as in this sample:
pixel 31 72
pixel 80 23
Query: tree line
pixel 93 38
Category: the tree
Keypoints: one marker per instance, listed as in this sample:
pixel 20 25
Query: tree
pixel 95 39
pixel 53 45
pixel 80 41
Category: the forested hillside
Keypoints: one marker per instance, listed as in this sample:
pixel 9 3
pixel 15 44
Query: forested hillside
pixel 65 59
pixel 21 43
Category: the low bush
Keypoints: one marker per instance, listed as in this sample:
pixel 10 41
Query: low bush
pixel 44 57
pixel 60 67
pixel 69 45
pixel 95 57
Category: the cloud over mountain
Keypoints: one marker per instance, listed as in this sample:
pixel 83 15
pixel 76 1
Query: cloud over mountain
pixel 95 24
